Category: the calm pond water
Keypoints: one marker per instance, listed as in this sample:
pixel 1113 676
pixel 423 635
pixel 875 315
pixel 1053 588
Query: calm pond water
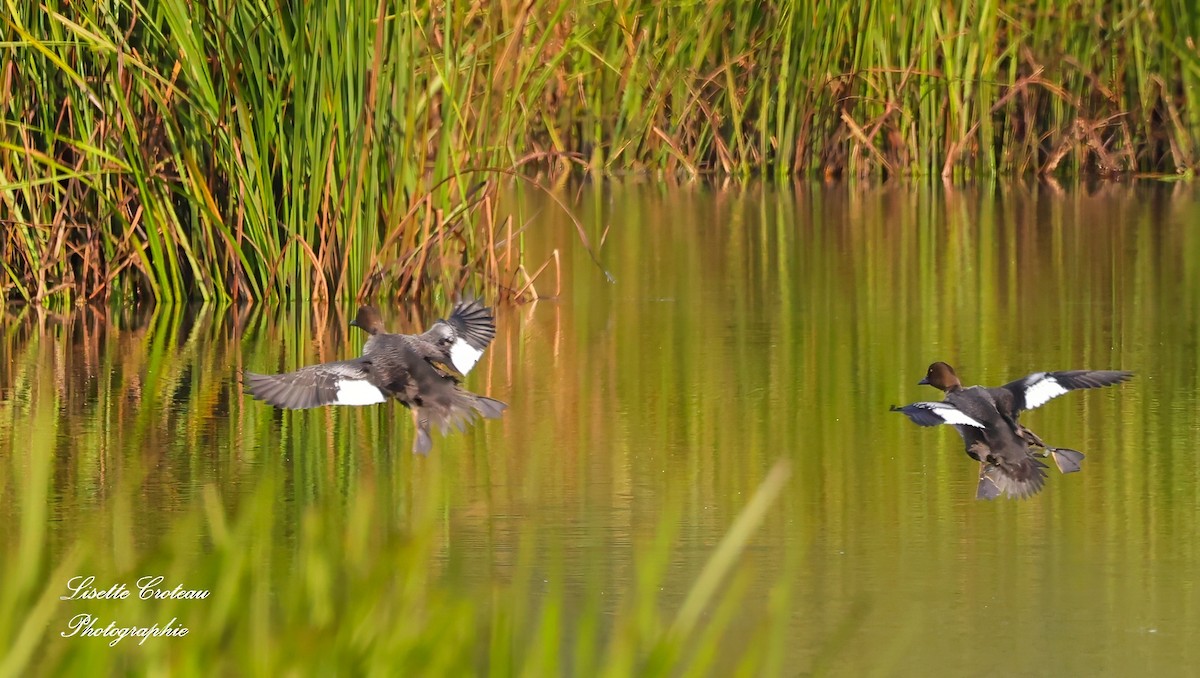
pixel 742 328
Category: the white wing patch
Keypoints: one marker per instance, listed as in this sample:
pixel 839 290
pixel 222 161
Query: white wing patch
pixel 953 415
pixel 1043 389
pixel 464 356
pixel 357 392
pixel 932 414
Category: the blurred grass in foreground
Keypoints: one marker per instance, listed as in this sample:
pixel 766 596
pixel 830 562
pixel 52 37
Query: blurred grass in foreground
pixel 304 579
pixel 621 464
pixel 351 600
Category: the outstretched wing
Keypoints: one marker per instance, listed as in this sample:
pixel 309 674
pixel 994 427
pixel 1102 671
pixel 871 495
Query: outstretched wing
pixel 935 413
pixel 1039 388
pixel 462 338
pixel 347 382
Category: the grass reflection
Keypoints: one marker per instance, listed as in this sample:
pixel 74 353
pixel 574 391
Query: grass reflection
pixel 582 533
pixel 133 455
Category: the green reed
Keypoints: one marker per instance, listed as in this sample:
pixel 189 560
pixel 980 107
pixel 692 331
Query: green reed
pixel 182 150
pixel 325 564
pixel 131 434
pixel 201 150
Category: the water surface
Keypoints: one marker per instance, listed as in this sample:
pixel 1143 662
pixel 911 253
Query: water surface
pixel 742 328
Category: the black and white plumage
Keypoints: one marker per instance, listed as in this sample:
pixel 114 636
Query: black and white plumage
pixel 1006 464
pixel 936 413
pixel 462 337
pixel 1039 388
pixel 452 345
pixel 414 369
pixel 346 382
pixel 991 444
pixel 1031 392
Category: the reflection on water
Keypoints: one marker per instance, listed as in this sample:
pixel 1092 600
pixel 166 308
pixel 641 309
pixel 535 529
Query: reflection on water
pixel 742 328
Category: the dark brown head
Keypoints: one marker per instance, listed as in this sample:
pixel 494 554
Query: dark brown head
pixel 942 376
pixel 369 320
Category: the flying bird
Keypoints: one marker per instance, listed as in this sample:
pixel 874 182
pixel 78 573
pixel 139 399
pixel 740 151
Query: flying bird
pixel 423 371
pixel 987 420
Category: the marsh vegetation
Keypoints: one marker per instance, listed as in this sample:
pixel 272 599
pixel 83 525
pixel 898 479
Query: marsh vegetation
pixel 195 150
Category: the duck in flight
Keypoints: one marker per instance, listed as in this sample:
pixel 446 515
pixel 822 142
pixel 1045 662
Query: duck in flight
pixel 422 371
pixel 988 421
